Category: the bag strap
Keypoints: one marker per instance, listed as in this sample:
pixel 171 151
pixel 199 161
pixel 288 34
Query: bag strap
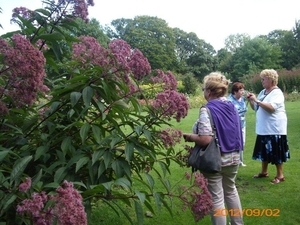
pixel 211 121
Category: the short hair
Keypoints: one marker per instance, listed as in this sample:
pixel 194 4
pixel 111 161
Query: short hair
pixel 236 86
pixel 217 83
pixel 271 74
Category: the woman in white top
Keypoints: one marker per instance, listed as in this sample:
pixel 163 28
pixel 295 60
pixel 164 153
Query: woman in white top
pixel 271 144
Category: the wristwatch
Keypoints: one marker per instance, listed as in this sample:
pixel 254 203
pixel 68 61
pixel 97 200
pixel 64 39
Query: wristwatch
pixel 258 101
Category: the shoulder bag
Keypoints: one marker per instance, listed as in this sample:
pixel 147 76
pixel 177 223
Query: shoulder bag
pixel 208 158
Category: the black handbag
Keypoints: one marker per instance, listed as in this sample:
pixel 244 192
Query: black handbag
pixel 207 159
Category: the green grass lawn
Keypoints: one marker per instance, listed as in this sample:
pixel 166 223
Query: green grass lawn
pixel 256 194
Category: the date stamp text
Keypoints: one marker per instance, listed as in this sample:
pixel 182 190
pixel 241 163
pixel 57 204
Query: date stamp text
pixel 247 212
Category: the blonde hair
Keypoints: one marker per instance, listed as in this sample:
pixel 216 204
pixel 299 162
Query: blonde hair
pixel 217 83
pixel 270 74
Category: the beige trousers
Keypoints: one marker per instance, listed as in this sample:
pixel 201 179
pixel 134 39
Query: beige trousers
pixel 226 200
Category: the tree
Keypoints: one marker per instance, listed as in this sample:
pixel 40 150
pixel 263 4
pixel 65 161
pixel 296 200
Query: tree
pixel 92 29
pixel 151 35
pixel 255 53
pixel 193 54
pixel 286 41
pixel 235 41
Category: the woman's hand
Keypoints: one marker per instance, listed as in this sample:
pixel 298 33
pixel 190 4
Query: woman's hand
pixel 187 137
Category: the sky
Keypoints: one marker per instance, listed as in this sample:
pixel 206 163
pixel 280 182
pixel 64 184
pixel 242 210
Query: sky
pixel 211 20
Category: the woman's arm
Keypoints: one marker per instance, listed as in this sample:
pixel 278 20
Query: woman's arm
pixel 202 140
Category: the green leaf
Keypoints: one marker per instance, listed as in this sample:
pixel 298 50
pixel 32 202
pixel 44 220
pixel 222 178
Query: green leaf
pixel 139 212
pixel 150 180
pixel 8 199
pixel 84 130
pixel 107 157
pixel 3 153
pixel 65 144
pixel 54 106
pixel 129 149
pixel 87 95
pixel 107 185
pixel 148 135
pixel 157 198
pixel 81 163
pixel 141 196
pixel 53 37
pixel 37 178
pixel 40 151
pixel 97 133
pixel 19 168
pixel 167 206
pixel 75 96
pixel 123 182
pixel 60 174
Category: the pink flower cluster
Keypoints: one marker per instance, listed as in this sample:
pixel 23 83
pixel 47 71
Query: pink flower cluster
pixel 22 73
pixel 197 197
pixel 170 137
pixel 168 80
pixel 79 7
pixel 67 208
pixel 119 59
pixel 23 187
pixel 171 104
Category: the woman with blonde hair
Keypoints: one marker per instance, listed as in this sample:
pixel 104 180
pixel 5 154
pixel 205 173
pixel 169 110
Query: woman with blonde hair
pixel 271 144
pixel 227 123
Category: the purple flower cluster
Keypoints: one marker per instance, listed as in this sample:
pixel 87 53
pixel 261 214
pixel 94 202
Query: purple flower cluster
pixel 79 7
pixel 23 187
pixel 170 137
pixel 68 205
pixel 67 208
pixel 168 80
pixel 34 208
pixel 22 73
pixel 119 59
pixel 170 103
pixel 197 197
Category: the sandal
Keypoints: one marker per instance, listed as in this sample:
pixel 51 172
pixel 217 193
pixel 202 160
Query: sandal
pixel 277 180
pixel 261 175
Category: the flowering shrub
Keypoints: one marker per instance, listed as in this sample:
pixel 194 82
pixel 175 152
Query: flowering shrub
pixel 89 130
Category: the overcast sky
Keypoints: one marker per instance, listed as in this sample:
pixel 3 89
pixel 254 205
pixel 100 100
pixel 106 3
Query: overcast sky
pixel 211 20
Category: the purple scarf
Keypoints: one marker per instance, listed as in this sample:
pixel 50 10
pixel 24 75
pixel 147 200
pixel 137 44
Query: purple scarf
pixel 227 123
